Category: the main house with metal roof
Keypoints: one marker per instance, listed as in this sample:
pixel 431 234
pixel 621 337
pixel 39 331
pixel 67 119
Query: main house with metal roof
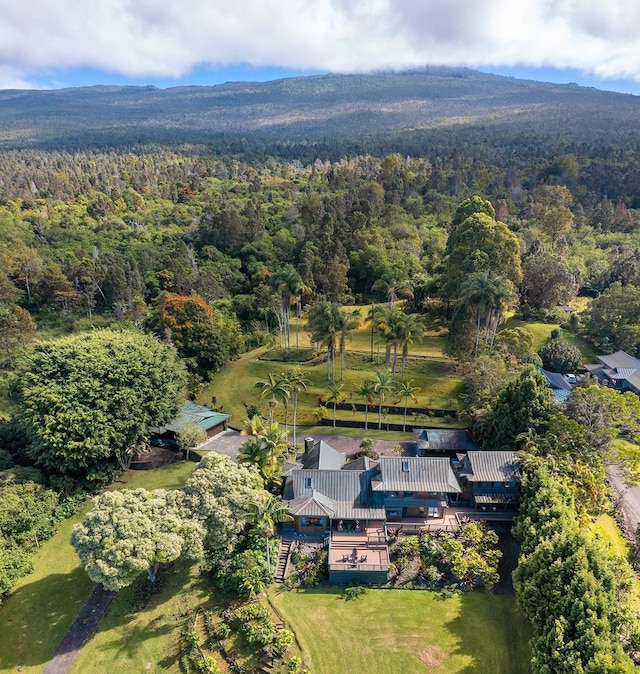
pixel 619 370
pixel 352 502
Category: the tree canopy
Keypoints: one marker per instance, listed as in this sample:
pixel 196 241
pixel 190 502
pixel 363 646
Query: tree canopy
pixel 129 532
pixel 87 400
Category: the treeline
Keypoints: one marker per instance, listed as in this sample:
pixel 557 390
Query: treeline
pixel 573 590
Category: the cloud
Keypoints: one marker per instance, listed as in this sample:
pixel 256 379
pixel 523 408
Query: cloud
pixel 169 38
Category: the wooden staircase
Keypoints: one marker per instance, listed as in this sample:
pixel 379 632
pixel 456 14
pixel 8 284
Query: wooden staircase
pixel 283 560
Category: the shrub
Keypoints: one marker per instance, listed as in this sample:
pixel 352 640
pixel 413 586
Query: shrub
pixel 354 591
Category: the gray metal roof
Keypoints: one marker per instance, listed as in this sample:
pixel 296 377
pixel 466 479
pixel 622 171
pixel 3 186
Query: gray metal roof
pixel 348 490
pixel 556 380
pixel 361 463
pixel 423 474
pixel 322 457
pixel 438 439
pixel 312 505
pixel 619 367
pixel 484 466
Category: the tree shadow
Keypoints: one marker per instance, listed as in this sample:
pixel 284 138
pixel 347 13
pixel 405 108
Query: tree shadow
pixel 491 631
pixel 36 617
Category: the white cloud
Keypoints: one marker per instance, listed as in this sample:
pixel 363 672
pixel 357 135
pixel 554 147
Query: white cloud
pixel 169 38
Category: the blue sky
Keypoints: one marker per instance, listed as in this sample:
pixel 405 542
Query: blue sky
pixel 170 42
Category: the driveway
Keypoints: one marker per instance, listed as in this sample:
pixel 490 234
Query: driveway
pixel 627 501
pixel 229 443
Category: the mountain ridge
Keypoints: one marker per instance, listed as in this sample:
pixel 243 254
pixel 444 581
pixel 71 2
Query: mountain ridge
pixel 315 109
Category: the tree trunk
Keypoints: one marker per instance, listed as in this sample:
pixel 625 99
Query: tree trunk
pixel 266 538
pixel 152 572
pixel 295 413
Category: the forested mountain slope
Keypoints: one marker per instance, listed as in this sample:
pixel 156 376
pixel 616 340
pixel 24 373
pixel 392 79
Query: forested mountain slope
pixel 418 112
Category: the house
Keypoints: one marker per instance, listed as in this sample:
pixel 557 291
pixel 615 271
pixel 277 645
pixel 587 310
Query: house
pixel 414 487
pixel 211 422
pixel 619 370
pixel 490 480
pixel 559 384
pixel 351 502
pixel 434 440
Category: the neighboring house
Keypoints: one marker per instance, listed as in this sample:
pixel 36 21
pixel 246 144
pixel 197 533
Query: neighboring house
pixel 211 422
pixel 619 370
pixel 559 384
pixel 490 480
pixel 429 440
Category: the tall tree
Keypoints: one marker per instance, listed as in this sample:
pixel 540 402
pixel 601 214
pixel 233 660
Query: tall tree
pixel 336 396
pixel 264 514
pixel 523 405
pixel 297 382
pixel 133 531
pixel 406 390
pixel 367 390
pixel 383 385
pixel 275 386
pixel 88 399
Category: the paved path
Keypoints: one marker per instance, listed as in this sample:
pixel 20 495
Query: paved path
pixel 80 631
pixel 628 499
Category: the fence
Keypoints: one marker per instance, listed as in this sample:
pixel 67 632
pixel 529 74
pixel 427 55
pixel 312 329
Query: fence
pixel 391 409
pixel 372 425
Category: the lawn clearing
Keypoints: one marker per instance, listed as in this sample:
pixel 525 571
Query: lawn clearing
pixel 140 632
pixel 401 631
pixel 35 618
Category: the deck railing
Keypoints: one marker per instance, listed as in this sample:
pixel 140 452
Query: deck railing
pixel 356 566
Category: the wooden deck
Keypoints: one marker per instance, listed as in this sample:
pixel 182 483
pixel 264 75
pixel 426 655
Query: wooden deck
pixel 363 551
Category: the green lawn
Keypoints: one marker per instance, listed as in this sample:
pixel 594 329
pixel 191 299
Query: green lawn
pixel 542 331
pixel 35 618
pixel 628 456
pixel 140 633
pixel 401 631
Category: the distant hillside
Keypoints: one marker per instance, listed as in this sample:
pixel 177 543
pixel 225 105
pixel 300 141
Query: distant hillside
pixel 422 111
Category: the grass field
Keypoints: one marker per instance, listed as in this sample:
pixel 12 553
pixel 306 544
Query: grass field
pixel 402 632
pixel 234 387
pixel 542 331
pixel 35 618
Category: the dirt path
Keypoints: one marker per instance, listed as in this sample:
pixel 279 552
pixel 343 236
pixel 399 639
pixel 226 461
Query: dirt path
pixel 80 631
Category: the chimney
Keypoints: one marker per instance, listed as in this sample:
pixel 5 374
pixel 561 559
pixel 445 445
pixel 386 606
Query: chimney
pixel 308 445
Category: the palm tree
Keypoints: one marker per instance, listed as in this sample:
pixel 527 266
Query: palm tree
pixel 264 514
pixel 367 391
pixel 253 426
pixel 297 382
pixel 409 328
pixel 382 385
pixel 324 325
pixel 406 390
pixel 336 396
pixel 289 284
pixel 393 285
pixel 347 322
pixel 275 386
pixel 478 291
pixel 504 296
pixel 254 453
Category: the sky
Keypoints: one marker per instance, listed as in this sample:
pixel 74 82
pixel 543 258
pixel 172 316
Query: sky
pixel 66 43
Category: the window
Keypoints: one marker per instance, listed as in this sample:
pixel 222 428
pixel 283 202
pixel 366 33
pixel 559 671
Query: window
pixel 307 483
pixel 312 521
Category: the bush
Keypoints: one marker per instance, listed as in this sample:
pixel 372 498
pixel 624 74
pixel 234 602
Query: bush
pixel 354 591
pixel 558 355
